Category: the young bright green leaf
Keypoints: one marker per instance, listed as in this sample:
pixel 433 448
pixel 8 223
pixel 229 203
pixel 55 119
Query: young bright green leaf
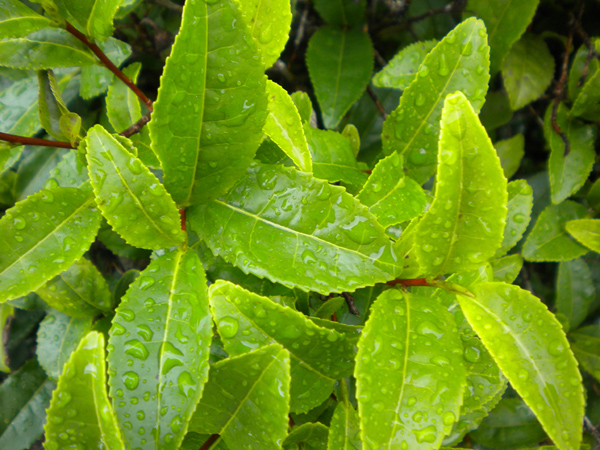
pixel 575 291
pixel 586 347
pixel 24 397
pixel 311 436
pixel 511 152
pixel 505 21
pixel 269 23
pixel 410 375
pixel 333 157
pixel 568 170
pixel 519 205
pixel 530 347
pixel 344 430
pixel 213 118
pixel 458 63
pixel 586 231
pixel 6 313
pixel 57 337
pixel 80 412
pixel 246 400
pixel 507 269
pixel 18 20
pixel 326 240
pixel 246 321
pixel 95 80
pixel 284 127
pixel 527 70
pixel 587 105
pixel 80 291
pixel 549 240
pixel 94 17
pixel 463 227
pixel 42 236
pixel 391 196
pixel 158 351
pixel 131 198
pixel 342 13
pixel 45 49
pixel 340 63
pixel 401 70
pixel 350 132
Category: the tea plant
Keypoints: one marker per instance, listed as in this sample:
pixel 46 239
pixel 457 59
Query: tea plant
pixel 243 264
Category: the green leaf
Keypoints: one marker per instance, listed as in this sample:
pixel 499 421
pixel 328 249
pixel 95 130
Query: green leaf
pixel 24 397
pixel 351 332
pixel 269 23
pixel 131 198
pixel 6 314
pixel 42 236
pixel 303 104
pixel 34 168
pixel 530 347
pixel 312 436
pixel 45 49
pixel 463 227
pixel 340 63
pixel 284 127
pixel 70 126
pixel 333 157
pixel 296 211
pixel 214 117
pixel 505 22
pixel 458 63
pixel 96 79
pixel 496 111
pixel 511 152
pixel 350 132
pixel 519 205
pixel 579 64
pixel 587 105
pixel 575 291
pixel 401 70
pixel 80 410
pixel 246 400
pixel 586 231
pixel 57 337
pixel 69 172
pixel 51 104
pixel 18 20
pixel 342 13
pixel 118 245
pixel 158 351
pixel 527 70
pixel 586 347
pixel 246 321
pixel 408 397
pixel 391 196
pixel 94 17
pixel 507 269
pixel 549 240
pixel 330 307
pixel 568 170
pixel 344 430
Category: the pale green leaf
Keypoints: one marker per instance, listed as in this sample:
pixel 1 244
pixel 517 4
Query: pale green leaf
pixel 6 314
pixel 519 205
pixel 96 79
pixel 575 291
pixel 586 347
pixel 18 20
pixel 158 351
pixel 586 231
pixel 246 321
pixel 94 17
pixel 326 240
pixel 506 21
pixel 70 126
pixel 587 105
pixel 401 70
pixel 391 196
pixel 33 169
pixel 69 172
pixel 507 269
pixel 350 132
pixel 284 127
pixel 311 436
pixel 344 430
pixel 410 375
pixel 211 104
pixel 57 337
pixel 42 236
pixel 463 227
pixel 458 63
pixel 131 198
pixel 527 70
pixel 339 63
pixel 342 13
pixel 247 400
pixel 549 240
pixel 530 347
pixel 80 409
pixel 511 152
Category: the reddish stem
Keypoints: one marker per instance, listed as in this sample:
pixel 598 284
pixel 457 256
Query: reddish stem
pixel 210 441
pixel 22 140
pixel 182 215
pixel 409 282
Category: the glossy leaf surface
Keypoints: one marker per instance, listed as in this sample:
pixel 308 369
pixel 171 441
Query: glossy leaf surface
pixel 18 20
pixel 215 117
pixel 246 321
pixel 312 223
pixel 94 17
pixel 575 291
pixel 520 203
pixel 402 69
pixel 247 400
pixel 458 63
pixel 159 347
pixel 344 430
pixel 131 198
pixel 586 347
pixel 284 127
pixel 461 229
pixel 42 236
pixel 530 347
pixel 311 436
pixel 409 373
pixel 549 240
pixel 586 231
pixel 511 152
pixel 507 269
pixel 342 13
pixel 340 63
pixel 527 70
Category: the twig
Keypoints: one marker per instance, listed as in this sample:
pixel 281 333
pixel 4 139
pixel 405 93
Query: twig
pixel 375 99
pixel 136 127
pixel 559 92
pixel 409 282
pixel 22 140
pixel 590 428
pixel 351 305
pixel 182 216
pixel 450 7
pixel 537 116
pixel 210 441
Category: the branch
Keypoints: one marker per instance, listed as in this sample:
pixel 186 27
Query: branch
pixel 210 441
pixel 22 140
pixel 559 92
pixel 136 127
pixel 375 99
pixel 450 7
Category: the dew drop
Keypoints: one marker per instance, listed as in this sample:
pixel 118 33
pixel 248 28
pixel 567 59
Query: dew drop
pixel 131 380
pixel 228 327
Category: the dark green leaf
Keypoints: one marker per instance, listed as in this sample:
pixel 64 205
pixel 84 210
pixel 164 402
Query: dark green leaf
pixel 511 152
pixel 312 436
pixel 94 17
pixel 586 347
pixel 6 313
pixel 580 63
pixel 520 203
pixel 496 110
pixel 401 70
pixel 575 291
pixel 587 105
pixel 18 20
pixel 507 269
pixel 341 13
pixel 586 231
